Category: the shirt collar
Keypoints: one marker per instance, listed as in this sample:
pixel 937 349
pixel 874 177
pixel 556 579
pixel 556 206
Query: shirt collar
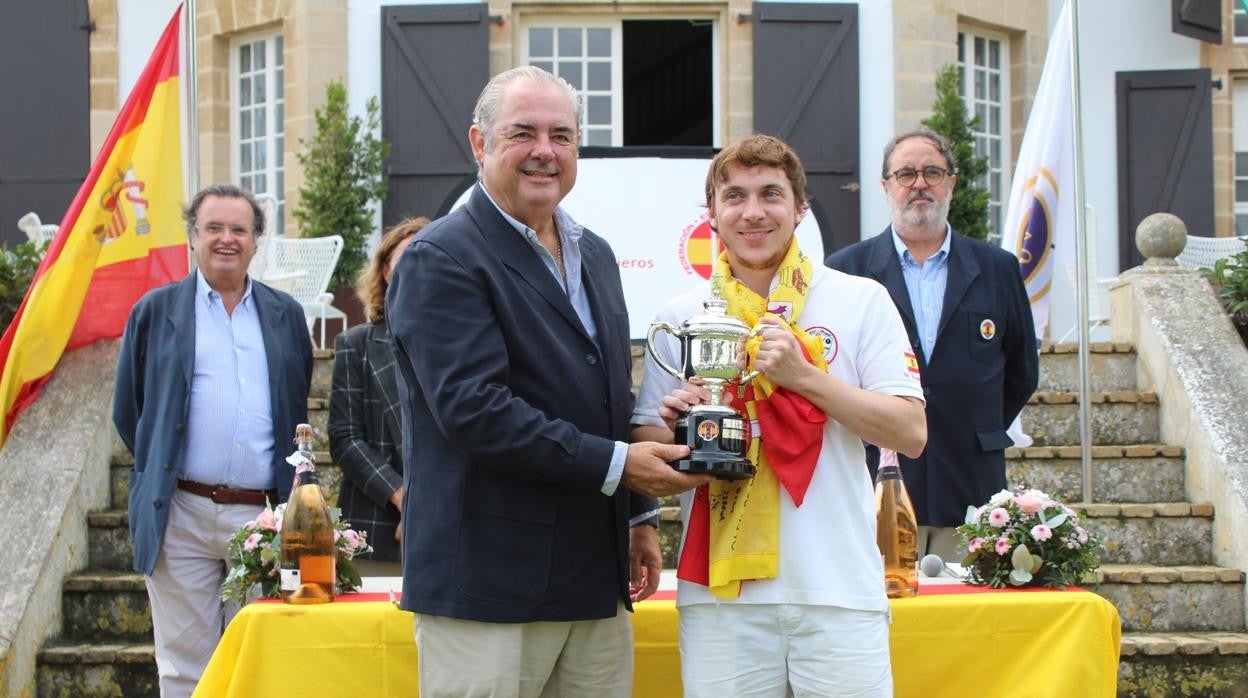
pixel 566 227
pixel 904 254
pixel 202 289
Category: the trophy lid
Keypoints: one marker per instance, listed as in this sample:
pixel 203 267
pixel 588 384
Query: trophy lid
pixel 715 319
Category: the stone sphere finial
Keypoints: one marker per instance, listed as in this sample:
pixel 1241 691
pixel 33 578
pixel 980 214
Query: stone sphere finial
pixel 1160 238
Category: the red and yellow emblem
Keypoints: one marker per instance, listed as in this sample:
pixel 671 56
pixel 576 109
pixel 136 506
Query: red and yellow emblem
pixel 912 364
pixel 987 329
pixel 708 429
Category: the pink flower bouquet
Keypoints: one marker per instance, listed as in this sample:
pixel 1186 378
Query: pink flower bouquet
pixel 255 555
pixel 1027 538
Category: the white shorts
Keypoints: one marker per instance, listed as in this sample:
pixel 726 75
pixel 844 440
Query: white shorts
pixel 783 649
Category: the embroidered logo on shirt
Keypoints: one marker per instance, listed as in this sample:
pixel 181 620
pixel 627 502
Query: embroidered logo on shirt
pixel 830 346
pixel 987 329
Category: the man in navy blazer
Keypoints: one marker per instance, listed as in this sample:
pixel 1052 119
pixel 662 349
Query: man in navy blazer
pixel 212 378
pixel 969 320
pixel 524 506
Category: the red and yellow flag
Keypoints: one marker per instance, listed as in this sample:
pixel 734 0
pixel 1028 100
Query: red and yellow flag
pixel 121 236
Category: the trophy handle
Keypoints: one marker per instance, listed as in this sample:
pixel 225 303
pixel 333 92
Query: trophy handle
pixel 758 329
pixel 654 330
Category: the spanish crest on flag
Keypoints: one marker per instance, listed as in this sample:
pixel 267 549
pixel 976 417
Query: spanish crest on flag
pixel 121 236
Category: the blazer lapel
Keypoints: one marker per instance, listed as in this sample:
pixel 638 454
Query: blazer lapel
pixel 886 268
pixel 271 312
pixel 380 351
pixel 517 255
pixel 961 271
pixel 182 317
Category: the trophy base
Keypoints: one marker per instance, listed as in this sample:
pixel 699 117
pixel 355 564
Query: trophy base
pixel 717 442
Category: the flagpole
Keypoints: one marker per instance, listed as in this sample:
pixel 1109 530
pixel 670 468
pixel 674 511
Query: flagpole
pixel 191 73
pixel 1081 262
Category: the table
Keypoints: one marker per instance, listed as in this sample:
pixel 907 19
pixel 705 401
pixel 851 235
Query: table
pixel 1036 642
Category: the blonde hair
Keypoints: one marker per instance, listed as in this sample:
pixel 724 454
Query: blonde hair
pixel 371 284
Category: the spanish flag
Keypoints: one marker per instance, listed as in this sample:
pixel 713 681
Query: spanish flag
pixel 121 236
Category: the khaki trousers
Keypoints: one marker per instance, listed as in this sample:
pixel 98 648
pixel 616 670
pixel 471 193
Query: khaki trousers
pixel 465 659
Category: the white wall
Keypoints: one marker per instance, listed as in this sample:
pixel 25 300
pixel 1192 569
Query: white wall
pixel 139 24
pixel 1114 35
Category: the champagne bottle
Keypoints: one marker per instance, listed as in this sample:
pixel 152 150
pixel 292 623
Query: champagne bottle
pixel 308 557
pixel 897 529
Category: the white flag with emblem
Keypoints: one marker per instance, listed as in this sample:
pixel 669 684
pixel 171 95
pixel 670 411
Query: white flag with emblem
pixel 1040 217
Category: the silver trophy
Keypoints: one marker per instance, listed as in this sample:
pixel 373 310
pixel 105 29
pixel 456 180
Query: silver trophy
pixel 710 349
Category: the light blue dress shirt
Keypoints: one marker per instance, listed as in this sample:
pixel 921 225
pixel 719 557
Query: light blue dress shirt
pixel 926 284
pixel 570 235
pixel 229 432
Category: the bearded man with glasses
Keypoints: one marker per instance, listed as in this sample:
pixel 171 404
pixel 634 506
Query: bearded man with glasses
pixel 969 320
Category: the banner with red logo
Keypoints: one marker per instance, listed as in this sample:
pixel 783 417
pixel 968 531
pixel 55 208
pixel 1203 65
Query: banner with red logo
pixel 652 210
pixel 121 236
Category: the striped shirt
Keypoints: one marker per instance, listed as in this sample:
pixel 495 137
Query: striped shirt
pixel 925 283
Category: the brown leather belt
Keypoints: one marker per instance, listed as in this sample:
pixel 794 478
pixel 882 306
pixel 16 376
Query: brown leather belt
pixel 229 495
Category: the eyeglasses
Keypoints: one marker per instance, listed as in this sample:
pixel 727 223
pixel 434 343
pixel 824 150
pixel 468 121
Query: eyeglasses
pixel 932 174
pixel 221 228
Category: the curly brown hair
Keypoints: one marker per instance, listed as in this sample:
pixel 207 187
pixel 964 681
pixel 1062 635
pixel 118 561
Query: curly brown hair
pixel 753 151
pixel 371 284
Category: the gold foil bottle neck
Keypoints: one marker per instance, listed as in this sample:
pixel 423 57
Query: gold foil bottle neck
pixel 304 435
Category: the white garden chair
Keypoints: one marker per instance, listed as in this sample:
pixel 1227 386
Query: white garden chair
pixel 260 261
pixel 307 264
pixel 1203 252
pixel 36 230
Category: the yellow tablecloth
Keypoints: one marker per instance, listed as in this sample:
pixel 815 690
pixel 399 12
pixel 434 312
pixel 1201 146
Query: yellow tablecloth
pixel 1028 643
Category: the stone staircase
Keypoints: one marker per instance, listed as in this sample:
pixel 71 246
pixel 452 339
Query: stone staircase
pixel 1183 618
pixel 1183 622
pixel 105 647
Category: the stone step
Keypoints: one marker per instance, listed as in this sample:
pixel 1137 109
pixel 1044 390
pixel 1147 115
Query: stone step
pixel 106 607
pixel 106 671
pixel 108 541
pixel 1189 664
pixel 119 480
pixel 1174 599
pixel 1117 417
pixel 1112 366
pixel 1171 533
pixel 1136 473
pixel 322 373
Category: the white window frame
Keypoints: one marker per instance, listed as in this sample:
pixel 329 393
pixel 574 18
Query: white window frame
pixel 1239 144
pixel 984 137
pixel 615 22
pixel 275 127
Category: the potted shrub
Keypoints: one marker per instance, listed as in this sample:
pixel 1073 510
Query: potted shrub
pixel 1229 277
pixel 343 180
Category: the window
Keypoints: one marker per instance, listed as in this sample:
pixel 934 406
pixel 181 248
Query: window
pixel 1239 137
pixel 258 119
pixel 644 82
pixel 1239 19
pixel 983 65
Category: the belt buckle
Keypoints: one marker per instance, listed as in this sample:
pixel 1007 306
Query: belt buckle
pixel 212 494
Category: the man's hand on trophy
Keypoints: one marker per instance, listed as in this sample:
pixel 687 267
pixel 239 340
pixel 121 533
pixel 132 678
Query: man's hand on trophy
pixel 646 470
pixel 780 357
pixel 681 399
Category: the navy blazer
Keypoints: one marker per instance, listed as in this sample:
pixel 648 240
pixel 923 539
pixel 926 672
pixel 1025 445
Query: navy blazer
pixel 510 414
pixel 152 396
pixel 364 434
pixel 976 381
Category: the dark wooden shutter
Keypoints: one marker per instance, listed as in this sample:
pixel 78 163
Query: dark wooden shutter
pixel 45 128
pixel 1165 152
pixel 434 62
pixel 806 93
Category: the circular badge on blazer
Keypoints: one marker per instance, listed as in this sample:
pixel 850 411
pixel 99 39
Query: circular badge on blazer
pixel 987 329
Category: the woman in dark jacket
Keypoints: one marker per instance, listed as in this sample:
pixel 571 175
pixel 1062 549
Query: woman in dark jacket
pixel 364 418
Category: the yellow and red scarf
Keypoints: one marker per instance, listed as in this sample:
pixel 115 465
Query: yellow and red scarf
pixel 741 539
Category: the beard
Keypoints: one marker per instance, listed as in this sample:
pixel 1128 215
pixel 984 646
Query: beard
pixel 933 215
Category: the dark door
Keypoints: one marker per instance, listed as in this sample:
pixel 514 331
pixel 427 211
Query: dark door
pixel 806 93
pixel 45 130
pixel 1165 153
pixel 433 66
